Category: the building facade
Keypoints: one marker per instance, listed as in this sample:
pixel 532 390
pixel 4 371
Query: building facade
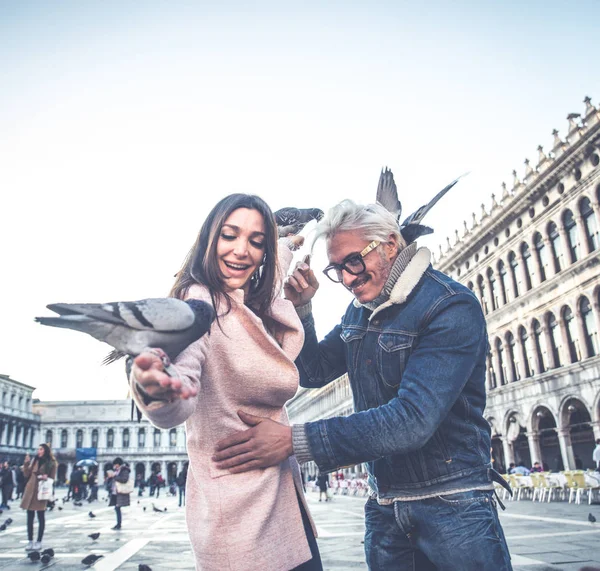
pixel 106 427
pixel 19 424
pixel 533 260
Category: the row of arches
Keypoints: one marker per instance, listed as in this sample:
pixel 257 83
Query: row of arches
pixel 547 343
pixel 125 437
pixel 576 235
pixel 562 439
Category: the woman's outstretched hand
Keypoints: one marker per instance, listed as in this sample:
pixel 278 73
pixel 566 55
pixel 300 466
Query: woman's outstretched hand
pixel 152 380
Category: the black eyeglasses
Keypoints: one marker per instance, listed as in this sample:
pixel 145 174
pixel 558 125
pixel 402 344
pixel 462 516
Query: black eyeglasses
pixel 353 264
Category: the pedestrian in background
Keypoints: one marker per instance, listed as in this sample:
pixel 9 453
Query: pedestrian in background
pixel 118 498
pixel 21 481
pixel 6 482
pixel 596 455
pixel 42 467
pixel 181 482
pixel 323 483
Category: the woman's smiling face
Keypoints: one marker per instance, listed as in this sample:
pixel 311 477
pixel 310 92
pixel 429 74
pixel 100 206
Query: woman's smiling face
pixel 240 247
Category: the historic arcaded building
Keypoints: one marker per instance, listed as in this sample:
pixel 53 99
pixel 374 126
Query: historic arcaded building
pixel 106 427
pixel 533 259
pixel 19 425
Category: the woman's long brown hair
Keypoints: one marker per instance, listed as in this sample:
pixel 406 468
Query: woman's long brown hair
pixel 201 265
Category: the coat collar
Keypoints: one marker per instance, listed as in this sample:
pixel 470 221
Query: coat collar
pixel 407 281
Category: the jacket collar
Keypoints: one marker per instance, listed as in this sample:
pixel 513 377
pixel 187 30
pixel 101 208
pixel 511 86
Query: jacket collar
pixel 407 281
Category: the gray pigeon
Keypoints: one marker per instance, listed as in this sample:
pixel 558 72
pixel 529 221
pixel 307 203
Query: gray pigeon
pixel 131 327
pixel 387 196
pixel 292 220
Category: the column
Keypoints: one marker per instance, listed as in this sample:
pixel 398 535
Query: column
pixel 492 298
pixel 596 429
pixel 565 352
pixel 581 234
pixel 523 354
pixel 552 364
pixel 535 451
pixel 497 366
pixel 510 369
pixel 536 358
pixel 566 449
pixel 583 344
pixel 564 242
pixel 538 265
pixel 551 268
pixel 526 278
pixel 509 455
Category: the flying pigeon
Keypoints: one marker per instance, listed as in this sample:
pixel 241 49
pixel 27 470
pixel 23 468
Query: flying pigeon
pixel 94 536
pixel 134 326
pixel 91 559
pixel 292 220
pixel 387 195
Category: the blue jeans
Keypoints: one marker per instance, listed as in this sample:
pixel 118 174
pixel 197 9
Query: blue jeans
pixel 454 532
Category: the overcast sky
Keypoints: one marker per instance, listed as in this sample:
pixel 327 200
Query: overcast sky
pixel 122 123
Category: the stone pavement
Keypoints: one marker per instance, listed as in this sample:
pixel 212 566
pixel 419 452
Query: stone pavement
pixel 542 537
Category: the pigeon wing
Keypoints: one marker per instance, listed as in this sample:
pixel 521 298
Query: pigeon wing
pixel 387 193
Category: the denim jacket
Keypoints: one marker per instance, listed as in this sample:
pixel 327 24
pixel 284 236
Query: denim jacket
pixel 417 371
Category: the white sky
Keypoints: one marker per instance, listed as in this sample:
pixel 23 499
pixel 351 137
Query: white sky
pixel 122 123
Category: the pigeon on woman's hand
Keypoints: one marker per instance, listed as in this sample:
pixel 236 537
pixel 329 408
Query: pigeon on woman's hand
pixel 132 327
pixel 290 221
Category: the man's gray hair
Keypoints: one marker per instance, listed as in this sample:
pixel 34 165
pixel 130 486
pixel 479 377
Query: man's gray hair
pixel 373 221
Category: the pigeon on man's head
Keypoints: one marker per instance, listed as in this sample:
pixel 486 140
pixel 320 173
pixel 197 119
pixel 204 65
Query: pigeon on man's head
pixel 131 327
pixel 91 559
pixel 95 535
pixel 292 220
pixel 387 195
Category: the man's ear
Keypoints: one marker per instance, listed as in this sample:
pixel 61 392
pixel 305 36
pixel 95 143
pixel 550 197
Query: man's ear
pixel 392 247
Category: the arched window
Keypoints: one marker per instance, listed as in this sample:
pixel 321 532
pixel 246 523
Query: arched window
pixel 64 438
pixel 589 223
pixel 126 438
pixel 504 288
pixel 157 436
pixel 589 327
pixel 571 232
pixel 142 438
pixel 481 289
pixel 527 350
pixel 556 247
pixel 542 255
pixel 513 359
pixel 574 353
pixel 493 289
pixel 95 438
pixel 470 286
pixel 537 341
pixel 110 438
pixel 173 437
pixel 49 438
pixel 516 277
pixel 554 337
pixel 501 363
pixel 79 439
pixel 529 268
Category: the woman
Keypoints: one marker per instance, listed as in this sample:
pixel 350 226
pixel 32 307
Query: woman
pixel 259 519
pixel 42 467
pixel 181 482
pixel 119 475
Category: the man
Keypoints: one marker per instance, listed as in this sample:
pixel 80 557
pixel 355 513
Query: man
pixel 536 468
pixel 6 485
pixel 414 345
pixel 596 455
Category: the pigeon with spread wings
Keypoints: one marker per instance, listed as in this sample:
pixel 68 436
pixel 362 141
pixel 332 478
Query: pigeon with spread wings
pixel 290 220
pixel 411 228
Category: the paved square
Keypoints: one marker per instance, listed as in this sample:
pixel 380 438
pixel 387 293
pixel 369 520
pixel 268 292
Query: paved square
pixel 542 537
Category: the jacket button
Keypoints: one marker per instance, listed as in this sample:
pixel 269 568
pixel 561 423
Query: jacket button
pixel 390 344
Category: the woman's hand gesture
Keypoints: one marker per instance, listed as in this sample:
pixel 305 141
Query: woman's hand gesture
pixel 301 285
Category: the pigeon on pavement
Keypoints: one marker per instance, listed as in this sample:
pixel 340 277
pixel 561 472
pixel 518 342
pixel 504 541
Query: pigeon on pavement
pixel 131 327
pixel 34 555
pixel 291 220
pixel 3 527
pixel 91 559
pixel 387 195
pixel 46 559
pixel 591 518
pixel 95 535
pixel 92 514
pixel 158 510
pixel 49 552
pixel 142 567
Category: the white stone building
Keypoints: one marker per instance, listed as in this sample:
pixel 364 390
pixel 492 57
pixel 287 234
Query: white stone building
pixel 19 425
pixel 107 426
pixel 533 259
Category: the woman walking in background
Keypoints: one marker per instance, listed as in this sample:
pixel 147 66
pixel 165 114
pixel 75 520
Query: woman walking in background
pixel 119 497
pixel 181 482
pixel 41 468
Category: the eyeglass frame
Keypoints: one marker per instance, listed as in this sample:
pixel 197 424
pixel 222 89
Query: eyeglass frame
pixel 342 267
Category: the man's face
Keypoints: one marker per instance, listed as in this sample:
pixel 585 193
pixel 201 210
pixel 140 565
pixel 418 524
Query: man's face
pixel 378 263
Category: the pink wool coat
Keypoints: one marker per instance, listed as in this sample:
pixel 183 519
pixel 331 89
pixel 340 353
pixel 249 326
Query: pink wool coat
pixel 249 521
